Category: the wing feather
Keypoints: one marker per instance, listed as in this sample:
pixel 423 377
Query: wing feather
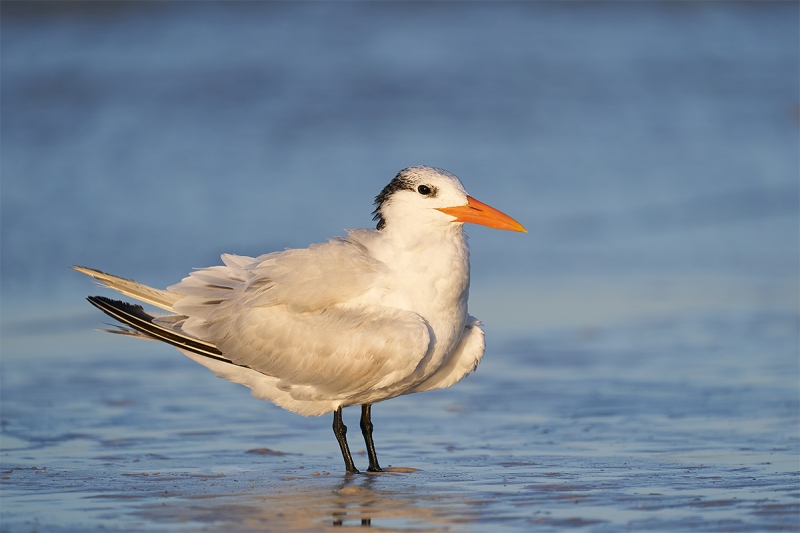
pixel 331 353
pixel 294 315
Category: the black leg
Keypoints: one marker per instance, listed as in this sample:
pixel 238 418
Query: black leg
pixel 340 430
pixel 366 430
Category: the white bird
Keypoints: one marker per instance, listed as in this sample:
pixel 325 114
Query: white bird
pixel 352 321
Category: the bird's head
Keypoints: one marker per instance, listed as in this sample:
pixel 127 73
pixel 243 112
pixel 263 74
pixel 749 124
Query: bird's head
pixel 434 197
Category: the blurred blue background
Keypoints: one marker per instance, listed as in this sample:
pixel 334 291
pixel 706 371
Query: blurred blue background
pixel 650 148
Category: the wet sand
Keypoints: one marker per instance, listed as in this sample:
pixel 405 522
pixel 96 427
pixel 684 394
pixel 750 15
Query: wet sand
pixel 671 425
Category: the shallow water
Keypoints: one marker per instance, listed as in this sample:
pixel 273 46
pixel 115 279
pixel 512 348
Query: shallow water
pixel 642 370
pixel 674 425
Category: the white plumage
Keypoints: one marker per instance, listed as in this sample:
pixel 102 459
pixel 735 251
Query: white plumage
pixel 353 321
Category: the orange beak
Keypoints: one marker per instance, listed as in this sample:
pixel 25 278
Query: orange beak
pixel 479 213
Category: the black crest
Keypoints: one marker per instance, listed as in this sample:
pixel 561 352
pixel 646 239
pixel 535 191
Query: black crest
pixel 401 181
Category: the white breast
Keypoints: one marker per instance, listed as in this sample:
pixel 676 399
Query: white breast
pixel 430 279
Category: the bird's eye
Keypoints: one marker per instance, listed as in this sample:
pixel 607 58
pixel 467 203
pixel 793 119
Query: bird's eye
pixel 424 190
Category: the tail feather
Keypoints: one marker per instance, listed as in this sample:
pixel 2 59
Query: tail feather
pixel 157 297
pixel 137 318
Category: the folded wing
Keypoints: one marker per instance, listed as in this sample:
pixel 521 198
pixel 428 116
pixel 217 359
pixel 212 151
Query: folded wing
pixel 296 315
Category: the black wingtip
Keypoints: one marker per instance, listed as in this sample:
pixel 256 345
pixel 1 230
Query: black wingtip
pixel 107 304
pixel 136 317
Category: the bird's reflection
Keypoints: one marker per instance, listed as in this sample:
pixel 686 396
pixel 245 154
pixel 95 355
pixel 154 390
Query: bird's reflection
pixel 352 484
pixel 300 504
pixel 356 494
pixel 339 518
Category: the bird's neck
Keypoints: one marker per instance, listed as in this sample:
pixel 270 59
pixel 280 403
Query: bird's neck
pixel 432 267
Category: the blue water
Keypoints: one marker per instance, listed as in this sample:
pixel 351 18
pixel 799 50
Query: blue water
pixel 651 149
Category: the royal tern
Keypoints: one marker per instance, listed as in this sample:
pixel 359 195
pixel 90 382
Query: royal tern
pixel 352 321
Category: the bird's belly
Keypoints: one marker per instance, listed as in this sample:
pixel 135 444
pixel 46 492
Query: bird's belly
pixel 445 315
pixel 446 326
pixel 437 290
